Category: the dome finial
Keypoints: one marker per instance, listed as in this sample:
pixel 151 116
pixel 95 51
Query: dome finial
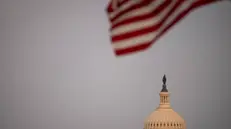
pixel 164 88
pixel 164 79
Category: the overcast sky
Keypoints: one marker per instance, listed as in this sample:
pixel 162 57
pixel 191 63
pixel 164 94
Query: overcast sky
pixel 58 69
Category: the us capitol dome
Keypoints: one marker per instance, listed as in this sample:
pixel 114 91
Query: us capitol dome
pixel 164 117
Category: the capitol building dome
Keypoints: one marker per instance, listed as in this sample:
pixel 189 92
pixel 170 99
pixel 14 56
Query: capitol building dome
pixel 164 117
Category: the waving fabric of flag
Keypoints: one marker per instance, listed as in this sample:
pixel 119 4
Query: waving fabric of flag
pixel 136 24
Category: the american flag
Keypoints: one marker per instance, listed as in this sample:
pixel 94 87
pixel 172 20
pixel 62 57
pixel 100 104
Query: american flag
pixel 136 24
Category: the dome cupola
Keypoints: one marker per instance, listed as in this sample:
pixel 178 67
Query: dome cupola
pixel 164 117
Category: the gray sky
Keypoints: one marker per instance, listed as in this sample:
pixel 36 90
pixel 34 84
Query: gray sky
pixel 58 70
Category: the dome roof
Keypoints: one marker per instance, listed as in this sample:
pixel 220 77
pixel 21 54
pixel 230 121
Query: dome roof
pixel 164 116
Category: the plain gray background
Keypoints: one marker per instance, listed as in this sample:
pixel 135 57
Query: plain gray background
pixel 58 70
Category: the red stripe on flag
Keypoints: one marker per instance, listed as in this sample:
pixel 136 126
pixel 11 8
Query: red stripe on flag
pixel 131 45
pixel 148 29
pixel 133 7
pixel 132 49
pixel 153 13
pixel 109 7
pixel 122 2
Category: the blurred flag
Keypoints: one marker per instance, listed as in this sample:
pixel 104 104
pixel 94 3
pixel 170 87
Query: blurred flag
pixel 136 24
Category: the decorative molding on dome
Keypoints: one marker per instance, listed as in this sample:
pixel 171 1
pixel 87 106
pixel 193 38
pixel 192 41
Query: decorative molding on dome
pixel 166 125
